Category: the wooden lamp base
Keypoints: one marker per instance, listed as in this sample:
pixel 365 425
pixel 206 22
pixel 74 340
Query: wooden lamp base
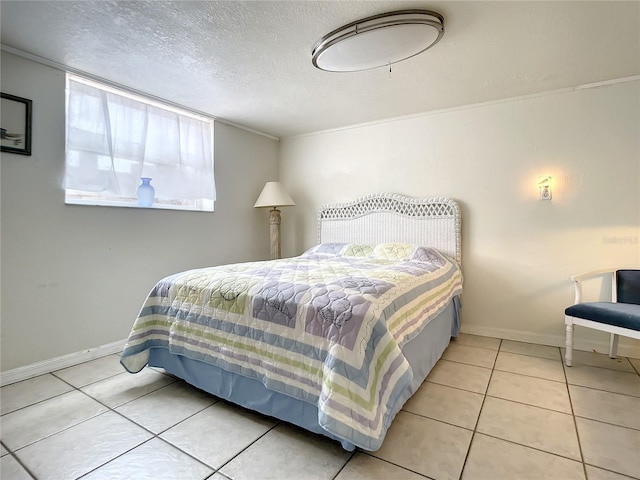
pixel 274 233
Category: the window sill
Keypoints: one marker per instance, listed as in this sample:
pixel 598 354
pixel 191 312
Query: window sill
pixel 92 202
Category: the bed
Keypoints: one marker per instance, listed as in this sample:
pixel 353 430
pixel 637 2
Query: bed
pixel 335 340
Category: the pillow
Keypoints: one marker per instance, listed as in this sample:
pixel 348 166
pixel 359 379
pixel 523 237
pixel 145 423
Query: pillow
pixel 327 248
pixel 382 251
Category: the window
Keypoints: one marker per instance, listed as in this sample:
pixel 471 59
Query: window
pixel 115 138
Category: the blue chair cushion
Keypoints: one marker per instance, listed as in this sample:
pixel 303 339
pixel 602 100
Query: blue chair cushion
pixel 625 315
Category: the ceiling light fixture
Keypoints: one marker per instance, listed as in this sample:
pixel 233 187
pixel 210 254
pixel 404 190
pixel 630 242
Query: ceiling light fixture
pixel 378 41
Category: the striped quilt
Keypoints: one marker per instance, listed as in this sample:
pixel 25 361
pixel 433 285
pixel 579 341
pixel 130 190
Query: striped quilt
pixel 326 327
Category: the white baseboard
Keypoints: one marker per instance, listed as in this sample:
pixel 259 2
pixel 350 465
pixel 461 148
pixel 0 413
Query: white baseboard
pixel 624 350
pixel 53 364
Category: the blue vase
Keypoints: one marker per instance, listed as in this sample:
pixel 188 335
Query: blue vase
pixel 146 193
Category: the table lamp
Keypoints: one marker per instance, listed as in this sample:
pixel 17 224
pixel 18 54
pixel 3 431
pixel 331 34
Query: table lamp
pixel 274 195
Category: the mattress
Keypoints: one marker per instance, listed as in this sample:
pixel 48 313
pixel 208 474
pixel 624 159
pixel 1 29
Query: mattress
pixel 422 353
pixel 333 329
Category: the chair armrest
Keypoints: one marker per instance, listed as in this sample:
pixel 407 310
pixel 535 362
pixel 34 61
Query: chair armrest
pixel 595 273
pixel 578 279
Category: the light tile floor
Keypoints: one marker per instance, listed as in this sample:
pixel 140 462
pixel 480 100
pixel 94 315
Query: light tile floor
pixel 491 409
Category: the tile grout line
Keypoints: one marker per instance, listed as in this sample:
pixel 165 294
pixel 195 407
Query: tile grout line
pixel 353 454
pixel 466 363
pixel 90 383
pixel 484 398
pixel 371 454
pixel 436 420
pixel 586 365
pixel 499 370
pixel 218 400
pixel 606 469
pixel 595 420
pixel 279 422
pixel 535 406
pixel 499 350
pixel 109 409
pixel 39 401
pixel 450 386
pixel 581 461
pixel 603 390
pixel 154 435
pixel 529 404
pixel 567 384
pixel 463 363
pixel 114 458
pixel 532 356
pixel 68 427
pixel 458 344
pixel 575 423
pixel 600 367
pixel 532 448
pixel 527 375
pixel 216 472
pixel 24 467
pixel 457 340
pixel 157 435
pixel 128 401
pixel 73 387
pixel 113 409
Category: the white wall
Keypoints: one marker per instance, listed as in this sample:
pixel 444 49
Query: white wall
pixel 74 277
pixel 518 252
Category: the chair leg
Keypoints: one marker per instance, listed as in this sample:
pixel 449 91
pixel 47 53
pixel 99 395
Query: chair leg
pixel 568 358
pixel 613 346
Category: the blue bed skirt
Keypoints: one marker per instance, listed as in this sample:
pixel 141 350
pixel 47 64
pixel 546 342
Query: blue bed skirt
pixel 422 352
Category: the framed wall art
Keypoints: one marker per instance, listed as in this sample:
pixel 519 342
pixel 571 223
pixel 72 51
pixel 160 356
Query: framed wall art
pixel 15 124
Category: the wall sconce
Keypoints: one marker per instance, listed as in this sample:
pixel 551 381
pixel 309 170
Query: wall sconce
pixel 544 185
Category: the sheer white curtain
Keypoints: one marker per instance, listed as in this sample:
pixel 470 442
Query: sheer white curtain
pixel 114 140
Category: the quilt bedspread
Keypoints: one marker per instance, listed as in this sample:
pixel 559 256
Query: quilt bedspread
pixel 326 327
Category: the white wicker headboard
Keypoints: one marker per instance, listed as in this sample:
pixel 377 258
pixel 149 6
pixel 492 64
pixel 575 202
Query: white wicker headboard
pixel 390 217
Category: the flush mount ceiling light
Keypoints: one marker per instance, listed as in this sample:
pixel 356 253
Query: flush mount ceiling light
pixel 378 41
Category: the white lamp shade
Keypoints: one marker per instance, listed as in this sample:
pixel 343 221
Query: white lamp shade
pixel 274 195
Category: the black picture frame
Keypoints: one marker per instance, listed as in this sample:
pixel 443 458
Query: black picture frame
pixel 15 128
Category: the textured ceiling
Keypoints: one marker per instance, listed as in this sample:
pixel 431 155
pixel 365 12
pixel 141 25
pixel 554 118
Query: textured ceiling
pixel 250 62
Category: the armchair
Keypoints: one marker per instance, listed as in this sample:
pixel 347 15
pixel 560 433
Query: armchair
pixel 620 316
